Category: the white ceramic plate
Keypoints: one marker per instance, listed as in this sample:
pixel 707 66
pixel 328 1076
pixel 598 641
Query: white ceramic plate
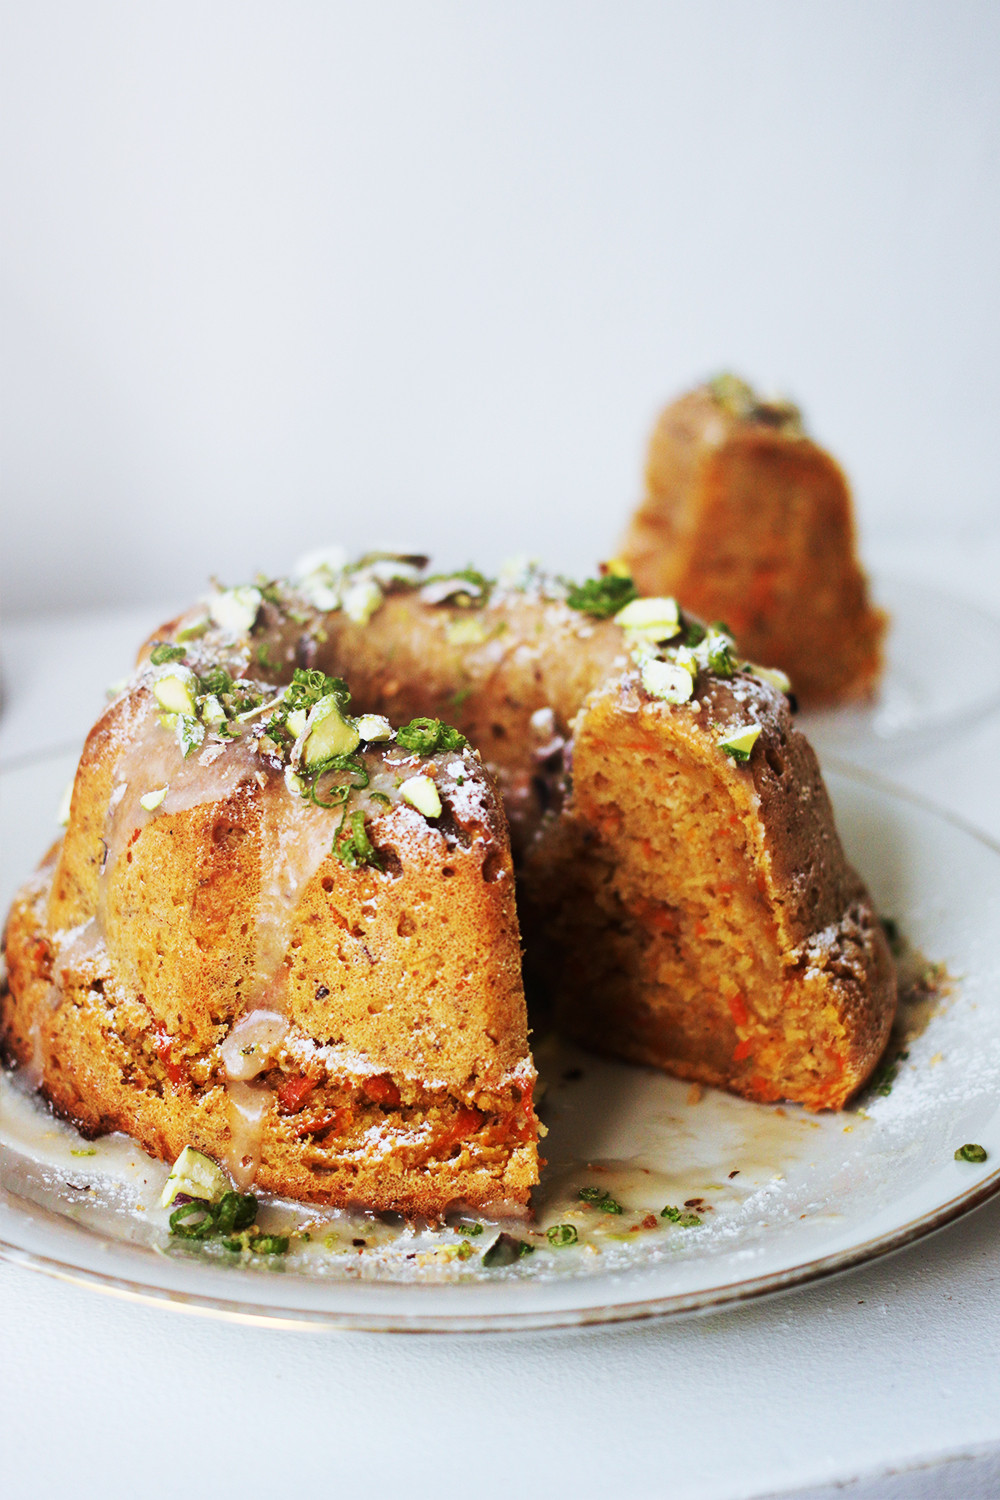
pixel 942 676
pixel 812 1195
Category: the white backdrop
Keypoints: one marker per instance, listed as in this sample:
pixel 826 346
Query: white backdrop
pixel 280 274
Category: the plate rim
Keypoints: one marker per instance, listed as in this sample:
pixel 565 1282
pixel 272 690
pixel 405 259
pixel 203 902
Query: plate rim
pixel 668 1307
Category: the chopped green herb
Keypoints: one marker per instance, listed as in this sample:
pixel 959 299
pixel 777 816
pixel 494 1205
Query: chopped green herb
pixel 505 1250
pixel 307 687
pixel 885 1074
pixel 352 846
pixel 600 1200
pixel 425 736
pixel 464 1251
pixel 971 1152
pixel 164 652
pixel 559 1235
pixel 601 597
pixel 229 1221
pixel 337 795
pixel 193 1221
pixel 471 1229
pixel 694 633
pixel 216 680
pixel 678 1216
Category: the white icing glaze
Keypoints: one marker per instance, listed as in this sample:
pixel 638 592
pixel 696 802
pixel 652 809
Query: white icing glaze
pixel 251 1043
pixel 246 1104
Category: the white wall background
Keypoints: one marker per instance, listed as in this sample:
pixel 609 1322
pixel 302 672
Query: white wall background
pixel 277 274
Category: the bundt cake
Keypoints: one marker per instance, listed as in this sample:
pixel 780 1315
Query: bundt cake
pixel 288 936
pixel 745 519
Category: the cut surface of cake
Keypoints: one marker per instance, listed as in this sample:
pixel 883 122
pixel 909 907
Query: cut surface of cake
pixel 287 936
pixel 747 520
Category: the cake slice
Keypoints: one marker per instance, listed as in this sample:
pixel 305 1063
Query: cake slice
pixel 746 520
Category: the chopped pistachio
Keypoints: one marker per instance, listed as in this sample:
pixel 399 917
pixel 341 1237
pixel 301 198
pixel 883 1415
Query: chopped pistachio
pixel 373 728
pixel 422 793
pixel 151 800
pixel 653 619
pixel 327 734
pixel 190 734
pixel 361 599
pixel 212 712
pixel 295 784
pixel 174 690
pixel 296 721
pixel 468 631
pixel 741 742
pixel 971 1152
pixel 773 675
pixel 196 628
pixel 236 609
pixel 734 395
pixel 663 679
pixel 196 1176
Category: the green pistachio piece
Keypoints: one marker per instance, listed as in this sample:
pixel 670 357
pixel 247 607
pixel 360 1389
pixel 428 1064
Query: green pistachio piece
pixel 653 619
pixel 666 680
pixel 741 742
pixel 773 675
pixel 374 728
pixel 174 690
pixel 150 801
pixel 196 1176
pixel 422 793
pixel 327 734
pixel 236 610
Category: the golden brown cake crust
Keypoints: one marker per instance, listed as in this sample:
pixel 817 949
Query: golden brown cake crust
pixel 386 1004
pixel 749 521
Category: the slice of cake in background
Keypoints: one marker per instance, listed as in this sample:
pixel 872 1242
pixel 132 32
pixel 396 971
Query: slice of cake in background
pixel 747 520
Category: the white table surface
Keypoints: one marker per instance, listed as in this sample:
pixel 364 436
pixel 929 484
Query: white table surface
pixel 881 1383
